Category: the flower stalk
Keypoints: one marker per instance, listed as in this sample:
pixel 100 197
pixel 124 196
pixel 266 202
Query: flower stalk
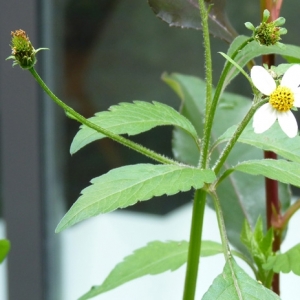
pixel 75 115
pixel 230 144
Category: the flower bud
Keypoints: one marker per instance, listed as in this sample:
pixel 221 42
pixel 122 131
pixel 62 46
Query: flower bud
pixel 268 33
pixel 23 52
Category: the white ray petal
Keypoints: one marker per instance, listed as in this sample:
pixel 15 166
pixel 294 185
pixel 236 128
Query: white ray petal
pixel 291 77
pixel 264 118
pixel 296 97
pixel 262 80
pixel 288 123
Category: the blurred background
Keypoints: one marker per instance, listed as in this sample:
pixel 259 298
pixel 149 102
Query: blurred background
pixel 102 52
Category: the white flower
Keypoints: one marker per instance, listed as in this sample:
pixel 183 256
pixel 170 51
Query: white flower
pixel 281 99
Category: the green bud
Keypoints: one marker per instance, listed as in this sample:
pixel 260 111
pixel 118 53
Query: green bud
pixel 23 52
pixel 267 33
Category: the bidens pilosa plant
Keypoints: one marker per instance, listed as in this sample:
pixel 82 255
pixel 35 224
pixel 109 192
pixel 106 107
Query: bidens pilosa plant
pixel 206 133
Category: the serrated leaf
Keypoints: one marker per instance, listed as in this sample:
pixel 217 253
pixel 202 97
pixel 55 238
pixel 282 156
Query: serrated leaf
pixel 155 258
pixel 4 249
pixel 274 140
pixel 132 118
pixel 253 50
pixel 127 185
pixel 285 262
pixel 280 170
pixel 235 284
pixel 186 14
pixel 239 199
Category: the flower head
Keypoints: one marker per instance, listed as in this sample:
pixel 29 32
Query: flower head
pixel 23 52
pixel 281 99
pixel 267 33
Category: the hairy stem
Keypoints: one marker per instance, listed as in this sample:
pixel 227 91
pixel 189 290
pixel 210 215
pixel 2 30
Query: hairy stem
pixel 209 120
pixel 208 77
pixel 147 152
pixel 221 224
pixel 230 144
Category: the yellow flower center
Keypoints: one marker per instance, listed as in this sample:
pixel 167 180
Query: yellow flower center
pixel 282 99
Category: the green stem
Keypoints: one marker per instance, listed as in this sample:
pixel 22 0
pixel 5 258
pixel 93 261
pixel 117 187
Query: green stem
pixel 225 243
pixel 210 118
pixel 147 152
pixel 200 195
pixel 208 79
pixel 194 245
pixel 218 165
pixel 221 224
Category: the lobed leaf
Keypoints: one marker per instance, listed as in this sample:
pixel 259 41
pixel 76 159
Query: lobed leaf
pixel 280 170
pixel 155 258
pixel 235 284
pixel 127 185
pixel 274 140
pixel 285 262
pixel 186 14
pixel 4 249
pixel 132 118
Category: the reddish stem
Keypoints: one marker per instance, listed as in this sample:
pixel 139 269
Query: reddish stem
pixel 272 199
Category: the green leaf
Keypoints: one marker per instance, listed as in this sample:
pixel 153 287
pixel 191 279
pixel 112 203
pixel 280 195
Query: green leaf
pixel 4 249
pixel 280 170
pixel 155 258
pixel 235 284
pixel 259 246
pixel 239 199
pixel 274 140
pixel 286 262
pixel 127 185
pixel 254 49
pixel 186 14
pixel 258 243
pixel 132 118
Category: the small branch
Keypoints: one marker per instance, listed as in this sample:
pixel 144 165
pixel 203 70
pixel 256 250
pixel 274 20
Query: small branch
pixel 227 149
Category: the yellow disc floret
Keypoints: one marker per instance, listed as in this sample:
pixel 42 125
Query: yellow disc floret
pixel 282 99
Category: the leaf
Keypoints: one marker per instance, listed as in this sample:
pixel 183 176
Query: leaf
pixel 235 284
pixel 259 246
pixel 285 262
pixel 4 249
pixel 155 258
pixel 254 49
pixel 258 243
pixel 274 140
pixel 281 170
pixel 132 118
pixel 239 199
pixel 186 14
pixel 127 185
